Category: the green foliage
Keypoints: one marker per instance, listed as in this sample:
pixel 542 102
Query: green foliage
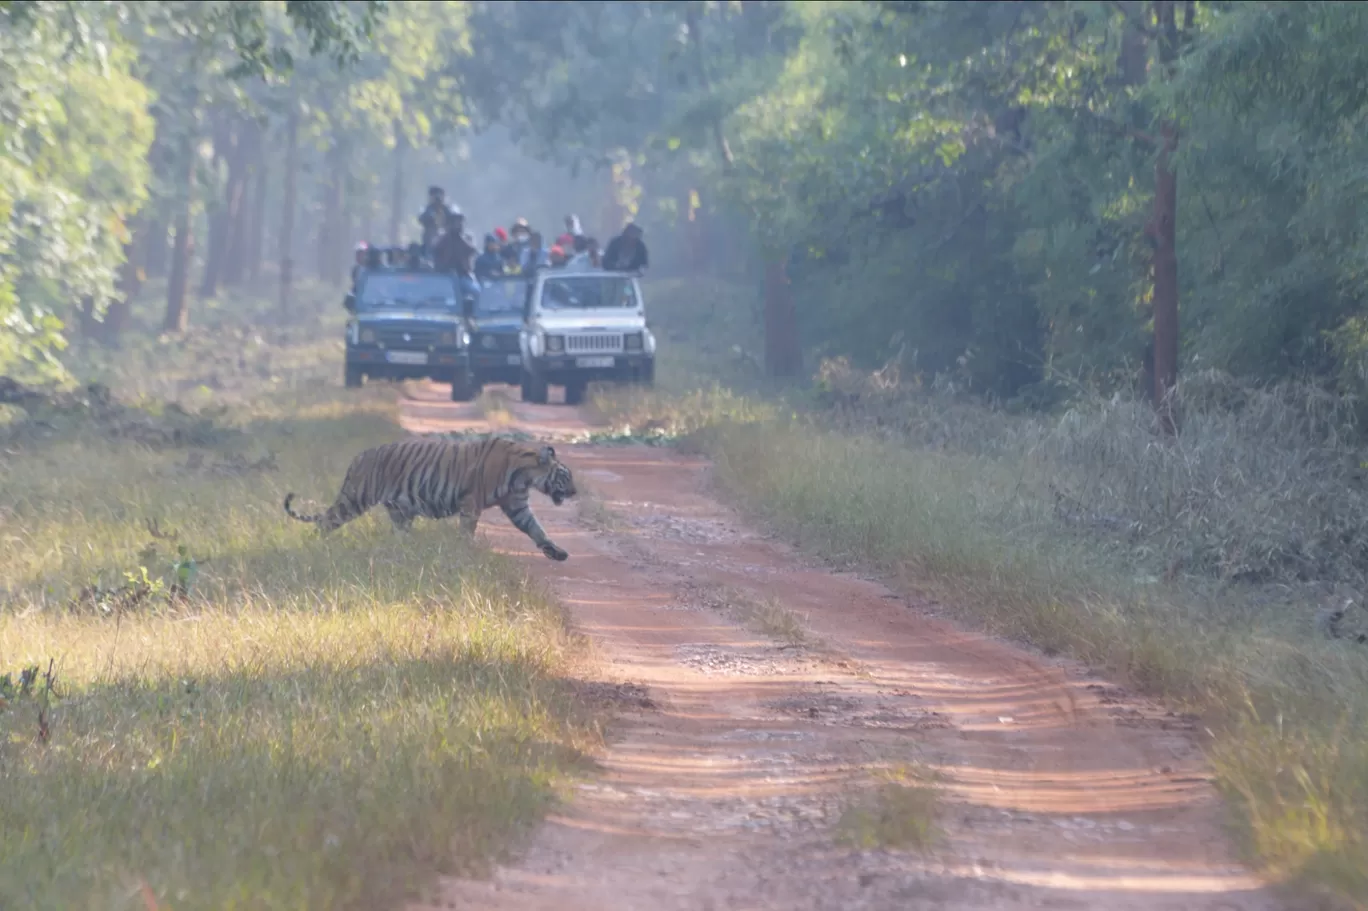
pixel 75 131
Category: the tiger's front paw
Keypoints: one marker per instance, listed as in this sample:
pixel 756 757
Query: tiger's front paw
pixel 554 552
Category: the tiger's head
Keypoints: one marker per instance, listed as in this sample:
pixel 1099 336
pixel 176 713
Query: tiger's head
pixel 553 478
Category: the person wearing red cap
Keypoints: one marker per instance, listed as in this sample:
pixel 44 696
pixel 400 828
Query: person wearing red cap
pixel 557 257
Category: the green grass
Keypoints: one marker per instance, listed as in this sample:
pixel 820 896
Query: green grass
pixel 899 811
pixel 1192 571
pixel 320 723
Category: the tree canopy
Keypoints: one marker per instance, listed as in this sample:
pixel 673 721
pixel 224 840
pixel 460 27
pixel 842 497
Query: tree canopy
pixel 1001 194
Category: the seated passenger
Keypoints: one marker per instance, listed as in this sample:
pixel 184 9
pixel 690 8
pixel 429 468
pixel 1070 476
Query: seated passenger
pixel 359 262
pixel 558 258
pixel 534 257
pixel 581 258
pixel 489 263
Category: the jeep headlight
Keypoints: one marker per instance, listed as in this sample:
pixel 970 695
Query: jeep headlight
pixel 534 344
pixel 649 337
pixel 367 336
pixel 555 344
pixel 631 341
pixel 465 339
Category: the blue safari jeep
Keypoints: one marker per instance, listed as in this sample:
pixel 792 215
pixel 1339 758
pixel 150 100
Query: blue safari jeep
pixel 496 318
pixel 409 324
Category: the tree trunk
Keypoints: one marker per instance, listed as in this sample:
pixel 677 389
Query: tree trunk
pixel 131 277
pixel 1163 227
pixel 783 356
pixel 256 236
pixel 288 213
pixel 244 156
pixel 695 24
pixel 154 248
pixel 183 246
pixel 397 206
pixel 330 237
pixel 1134 57
pixel 218 215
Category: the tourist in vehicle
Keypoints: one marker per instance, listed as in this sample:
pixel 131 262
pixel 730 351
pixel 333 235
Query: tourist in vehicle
pixel 489 263
pixel 534 257
pixel 436 218
pixel 581 259
pixel 511 263
pixel 359 262
pixel 627 251
pixel 557 257
pixel 456 251
pixel 573 227
pixel 412 257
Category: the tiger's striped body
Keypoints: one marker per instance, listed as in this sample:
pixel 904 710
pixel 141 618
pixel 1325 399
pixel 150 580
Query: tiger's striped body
pixel 435 479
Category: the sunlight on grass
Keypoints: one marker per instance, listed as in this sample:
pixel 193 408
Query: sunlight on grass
pixel 1178 569
pixel 319 723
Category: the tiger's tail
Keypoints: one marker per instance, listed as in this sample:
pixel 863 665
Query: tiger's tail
pixel 315 519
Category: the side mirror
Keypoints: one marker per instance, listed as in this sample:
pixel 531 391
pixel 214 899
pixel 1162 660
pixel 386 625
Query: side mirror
pixel 349 302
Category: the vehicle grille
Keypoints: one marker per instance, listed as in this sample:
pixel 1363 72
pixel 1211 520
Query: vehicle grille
pixel 419 336
pixel 585 344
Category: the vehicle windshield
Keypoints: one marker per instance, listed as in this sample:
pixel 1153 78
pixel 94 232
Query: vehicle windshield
pixel 499 297
pixel 407 289
pixel 588 292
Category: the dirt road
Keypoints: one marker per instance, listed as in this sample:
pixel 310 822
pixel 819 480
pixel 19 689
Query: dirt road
pixel 723 787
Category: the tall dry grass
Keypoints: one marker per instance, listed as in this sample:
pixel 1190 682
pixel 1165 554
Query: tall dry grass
pixel 321 723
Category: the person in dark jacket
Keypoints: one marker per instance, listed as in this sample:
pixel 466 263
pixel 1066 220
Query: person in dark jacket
pixel 627 251
pixel 455 250
pixel 437 218
pixel 361 261
pixel 489 263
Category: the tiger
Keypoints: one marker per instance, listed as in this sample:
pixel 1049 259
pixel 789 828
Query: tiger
pixel 437 478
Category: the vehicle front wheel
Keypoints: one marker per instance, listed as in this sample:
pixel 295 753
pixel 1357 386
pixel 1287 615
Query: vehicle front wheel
pixel 354 377
pixel 464 389
pixel 533 388
pixel 574 392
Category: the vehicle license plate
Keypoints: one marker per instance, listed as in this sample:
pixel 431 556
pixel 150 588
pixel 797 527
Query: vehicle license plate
pixel 406 357
pixel 514 360
pixel 593 362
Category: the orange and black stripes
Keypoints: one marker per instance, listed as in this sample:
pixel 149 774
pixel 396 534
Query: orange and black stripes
pixel 436 479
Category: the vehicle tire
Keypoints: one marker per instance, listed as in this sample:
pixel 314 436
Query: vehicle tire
pixel 533 388
pixel 354 378
pixel 574 392
pixel 464 389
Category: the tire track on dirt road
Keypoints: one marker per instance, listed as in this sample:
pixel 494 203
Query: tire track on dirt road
pixel 1057 790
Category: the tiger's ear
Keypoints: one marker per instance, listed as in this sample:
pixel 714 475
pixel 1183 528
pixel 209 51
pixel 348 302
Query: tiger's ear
pixel 545 455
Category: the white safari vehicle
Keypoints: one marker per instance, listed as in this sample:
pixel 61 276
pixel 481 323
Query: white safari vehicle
pixel 581 327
